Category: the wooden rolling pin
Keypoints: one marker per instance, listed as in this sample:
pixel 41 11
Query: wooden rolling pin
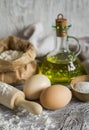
pixel 11 97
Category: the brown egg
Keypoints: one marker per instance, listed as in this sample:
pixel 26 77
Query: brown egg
pixel 55 97
pixel 34 85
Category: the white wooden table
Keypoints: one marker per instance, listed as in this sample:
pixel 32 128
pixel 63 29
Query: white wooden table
pixel 75 116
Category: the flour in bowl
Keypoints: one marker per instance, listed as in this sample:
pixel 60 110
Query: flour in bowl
pixel 82 87
pixel 10 55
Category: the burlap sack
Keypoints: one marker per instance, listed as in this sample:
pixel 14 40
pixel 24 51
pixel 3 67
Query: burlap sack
pixel 17 71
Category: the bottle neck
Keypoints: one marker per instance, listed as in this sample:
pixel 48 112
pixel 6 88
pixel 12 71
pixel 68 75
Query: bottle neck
pixel 61 44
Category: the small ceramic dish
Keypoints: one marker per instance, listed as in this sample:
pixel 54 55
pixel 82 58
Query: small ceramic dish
pixel 80 95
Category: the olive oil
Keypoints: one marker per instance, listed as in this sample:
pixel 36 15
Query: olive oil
pixel 60 69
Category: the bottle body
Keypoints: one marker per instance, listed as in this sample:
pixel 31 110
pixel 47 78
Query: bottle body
pixel 61 72
pixel 61 65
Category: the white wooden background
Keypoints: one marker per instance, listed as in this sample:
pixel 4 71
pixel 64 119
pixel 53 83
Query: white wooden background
pixel 15 15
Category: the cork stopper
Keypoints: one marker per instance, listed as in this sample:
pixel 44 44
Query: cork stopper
pixel 61 23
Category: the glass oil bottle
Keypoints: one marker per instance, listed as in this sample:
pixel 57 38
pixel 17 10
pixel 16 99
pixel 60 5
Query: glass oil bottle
pixel 62 65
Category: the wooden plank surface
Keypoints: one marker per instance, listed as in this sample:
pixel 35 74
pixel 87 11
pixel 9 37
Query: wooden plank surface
pixel 75 116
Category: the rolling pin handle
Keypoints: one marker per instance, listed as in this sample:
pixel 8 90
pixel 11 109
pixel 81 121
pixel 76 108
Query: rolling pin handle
pixel 31 106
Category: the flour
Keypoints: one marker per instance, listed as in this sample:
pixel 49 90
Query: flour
pixel 22 120
pixel 8 125
pixel 67 118
pixel 5 88
pixel 47 122
pixel 15 122
pixel 10 55
pixel 82 87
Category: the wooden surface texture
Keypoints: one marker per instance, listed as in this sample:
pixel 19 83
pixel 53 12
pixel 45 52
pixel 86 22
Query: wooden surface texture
pixel 16 15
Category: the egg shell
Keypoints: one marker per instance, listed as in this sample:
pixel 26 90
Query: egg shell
pixel 55 97
pixel 34 85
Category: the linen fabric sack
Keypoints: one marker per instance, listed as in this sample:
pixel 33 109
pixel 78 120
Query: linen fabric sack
pixel 18 70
